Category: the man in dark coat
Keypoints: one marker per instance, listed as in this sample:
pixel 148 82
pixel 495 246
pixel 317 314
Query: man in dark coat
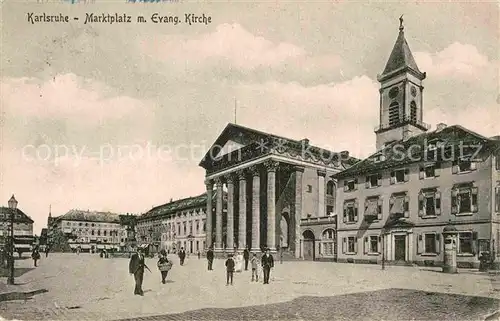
pixel 136 267
pixel 267 264
pixel 182 255
pixel 246 257
pixel 210 258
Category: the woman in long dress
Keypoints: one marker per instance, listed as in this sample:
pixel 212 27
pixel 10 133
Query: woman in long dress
pixel 238 267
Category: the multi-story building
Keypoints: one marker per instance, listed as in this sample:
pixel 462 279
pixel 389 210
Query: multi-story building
pixel 90 230
pixel 279 193
pixel 396 202
pixel 23 229
pixel 180 223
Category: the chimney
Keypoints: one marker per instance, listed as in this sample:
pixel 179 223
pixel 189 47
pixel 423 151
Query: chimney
pixel 344 154
pixel 440 127
pixel 171 200
pixel 305 142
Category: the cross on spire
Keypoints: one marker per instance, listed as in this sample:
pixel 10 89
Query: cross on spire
pixel 401 27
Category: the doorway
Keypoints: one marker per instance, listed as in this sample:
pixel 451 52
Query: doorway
pixel 400 247
pixel 308 245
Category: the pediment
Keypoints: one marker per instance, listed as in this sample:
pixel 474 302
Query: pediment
pixel 229 147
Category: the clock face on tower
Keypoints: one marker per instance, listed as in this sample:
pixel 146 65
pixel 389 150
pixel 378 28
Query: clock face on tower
pixel 393 93
pixel 413 91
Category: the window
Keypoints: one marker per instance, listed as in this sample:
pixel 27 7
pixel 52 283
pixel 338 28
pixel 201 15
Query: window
pixel 467 242
pixel 497 199
pixel 373 207
pixel 93 232
pixel 400 176
pixel 399 204
pixel 464 200
pixel 373 180
pixel 393 113
pixel 309 188
pixel 350 185
pixel 80 224
pixel 328 242
pixel 350 211
pixel 330 188
pixel 351 244
pixel 105 232
pixel 413 111
pixel 429 171
pixel 497 162
pixel 429 203
pixel 430 243
pixel 371 244
pixel 329 210
pixel 184 227
pixel 463 166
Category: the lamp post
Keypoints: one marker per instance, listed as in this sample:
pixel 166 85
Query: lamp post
pixel 13 206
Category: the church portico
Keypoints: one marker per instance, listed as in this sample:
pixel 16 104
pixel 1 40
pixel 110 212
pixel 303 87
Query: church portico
pixel 269 190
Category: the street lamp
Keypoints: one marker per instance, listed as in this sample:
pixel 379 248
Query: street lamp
pixel 13 206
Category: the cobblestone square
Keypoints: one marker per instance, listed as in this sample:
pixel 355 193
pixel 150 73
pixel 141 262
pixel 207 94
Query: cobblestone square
pixel 86 287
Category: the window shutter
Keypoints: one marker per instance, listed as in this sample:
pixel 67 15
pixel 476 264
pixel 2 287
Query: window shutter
pixel 379 179
pixel 407 175
pixel 421 204
pixel 380 205
pixel 474 243
pixel 367 183
pixel 438 243
pixel 346 188
pixel 497 198
pixel 420 244
pixel 379 244
pixel 344 244
pixel 356 211
pixel 454 201
pixel 421 173
pixel 355 183
pixel 355 245
pixel 437 197
pixel 474 199
pixel 365 245
pixel 473 166
pixel 437 169
pixel 393 177
pixel 407 206
pixel 345 213
pixel 454 167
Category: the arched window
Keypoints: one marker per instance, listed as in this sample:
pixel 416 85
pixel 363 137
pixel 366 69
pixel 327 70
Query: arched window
pixel 328 247
pixel 393 113
pixel 93 232
pixel 105 233
pixel 413 111
pixel 330 188
pixel 98 232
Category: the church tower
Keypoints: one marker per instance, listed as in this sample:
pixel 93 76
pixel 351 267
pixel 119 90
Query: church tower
pixel 400 95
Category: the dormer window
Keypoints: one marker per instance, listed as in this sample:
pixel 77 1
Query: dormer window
pixel 350 185
pixel 400 176
pixel 378 158
pixel 374 180
pixel 429 171
pixel 463 166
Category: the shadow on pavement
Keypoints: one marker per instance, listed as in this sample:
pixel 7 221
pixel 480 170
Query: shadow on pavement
pixel 20 295
pixel 17 271
pixel 389 304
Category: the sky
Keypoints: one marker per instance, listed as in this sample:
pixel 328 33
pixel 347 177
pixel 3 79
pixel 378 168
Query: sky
pixel 117 117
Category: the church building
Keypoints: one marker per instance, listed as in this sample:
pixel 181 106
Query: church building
pixel 280 194
pixel 395 204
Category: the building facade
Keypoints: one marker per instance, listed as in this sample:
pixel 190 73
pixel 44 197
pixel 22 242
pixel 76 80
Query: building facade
pixel 180 223
pixel 396 202
pixel 23 229
pixel 279 194
pixel 90 230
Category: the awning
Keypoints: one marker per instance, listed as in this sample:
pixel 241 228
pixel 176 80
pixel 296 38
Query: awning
pixel 371 208
pixel 73 246
pixel 100 246
pixel 398 207
pixel 86 246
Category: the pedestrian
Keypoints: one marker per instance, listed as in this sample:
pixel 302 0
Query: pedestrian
pixel 199 255
pixel 47 250
pixel 255 265
pixel 136 267
pixel 229 269
pixel 267 265
pixel 35 255
pixel 210 258
pixel 246 257
pixel 182 255
pixel 164 265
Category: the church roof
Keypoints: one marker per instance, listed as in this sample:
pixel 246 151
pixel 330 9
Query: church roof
pixel 401 58
pixel 446 145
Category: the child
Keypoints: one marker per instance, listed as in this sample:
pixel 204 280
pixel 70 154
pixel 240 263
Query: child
pixel 164 265
pixel 255 263
pixel 229 269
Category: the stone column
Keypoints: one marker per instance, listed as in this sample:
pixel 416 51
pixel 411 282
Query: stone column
pixel 208 235
pixel 230 212
pixel 218 215
pixel 298 208
pixel 321 193
pixel 242 220
pixel 271 167
pixel 255 208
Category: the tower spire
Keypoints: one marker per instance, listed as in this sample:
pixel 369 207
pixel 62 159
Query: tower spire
pixel 50 210
pixel 401 27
